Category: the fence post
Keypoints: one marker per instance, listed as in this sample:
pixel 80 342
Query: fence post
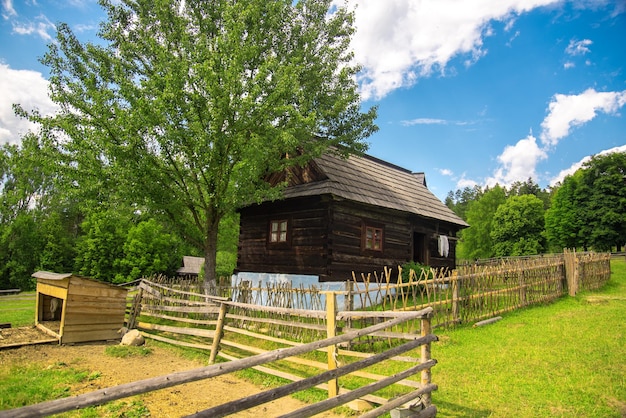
pixel 426 374
pixel 571 271
pixel 135 309
pixel 331 331
pixel 219 329
pixel 522 287
pixel 455 296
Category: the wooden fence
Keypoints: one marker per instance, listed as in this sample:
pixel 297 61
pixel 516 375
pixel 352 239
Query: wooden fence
pixel 482 290
pixel 470 293
pixel 198 321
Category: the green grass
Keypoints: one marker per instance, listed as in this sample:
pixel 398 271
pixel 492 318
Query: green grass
pixel 25 385
pixel 18 310
pixel 125 351
pixel 558 360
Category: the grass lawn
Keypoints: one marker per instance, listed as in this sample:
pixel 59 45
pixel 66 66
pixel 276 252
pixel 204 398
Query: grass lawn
pixel 564 359
pixel 18 310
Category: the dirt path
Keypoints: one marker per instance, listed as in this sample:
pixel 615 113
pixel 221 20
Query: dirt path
pixel 171 402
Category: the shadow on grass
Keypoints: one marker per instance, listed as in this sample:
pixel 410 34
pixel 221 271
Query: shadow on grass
pixel 447 409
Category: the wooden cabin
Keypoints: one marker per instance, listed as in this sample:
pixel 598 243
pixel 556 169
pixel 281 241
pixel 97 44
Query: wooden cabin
pixel 343 215
pixel 78 309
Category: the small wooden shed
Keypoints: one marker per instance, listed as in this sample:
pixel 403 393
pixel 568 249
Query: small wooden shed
pixel 78 309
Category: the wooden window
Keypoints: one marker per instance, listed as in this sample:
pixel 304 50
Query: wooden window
pixel 373 238
pixel 278 231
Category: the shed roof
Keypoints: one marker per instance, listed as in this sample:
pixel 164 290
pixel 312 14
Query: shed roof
pixel 369 180
pixel 191 265
pixel 48 275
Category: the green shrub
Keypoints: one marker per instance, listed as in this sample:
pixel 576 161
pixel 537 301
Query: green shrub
pixel 421 271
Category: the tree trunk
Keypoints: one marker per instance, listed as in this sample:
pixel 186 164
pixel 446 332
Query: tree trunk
pixel 210 256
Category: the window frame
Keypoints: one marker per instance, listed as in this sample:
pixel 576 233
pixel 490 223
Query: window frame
pixel 374 227
pixel 279 231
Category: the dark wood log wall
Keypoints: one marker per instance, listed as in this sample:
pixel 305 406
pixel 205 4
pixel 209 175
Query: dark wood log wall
pixel 345 240
pixel 325 238
pixel 306 250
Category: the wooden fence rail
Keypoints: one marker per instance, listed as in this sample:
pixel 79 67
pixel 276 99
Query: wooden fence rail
pixel 130 389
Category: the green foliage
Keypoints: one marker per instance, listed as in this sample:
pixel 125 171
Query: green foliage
pixel 58 250
pixel 603 183
pixel 148 250
pixel 589 208
pixel 460 200
pixel 518 225
pixel 563 220
pixel 421 271
pixel 102 245
pixel 20 242
pixel 476 240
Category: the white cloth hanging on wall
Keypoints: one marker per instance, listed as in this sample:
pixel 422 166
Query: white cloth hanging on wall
pixel 444 246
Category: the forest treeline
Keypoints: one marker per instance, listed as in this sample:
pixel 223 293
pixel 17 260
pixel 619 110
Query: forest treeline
pixel 586 211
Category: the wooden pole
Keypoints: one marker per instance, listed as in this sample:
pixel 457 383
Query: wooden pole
pixel 426 374
pixel 455 296
pixel 219 328
pixel 331 331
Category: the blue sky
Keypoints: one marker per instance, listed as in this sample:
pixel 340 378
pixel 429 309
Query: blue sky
pixel 469 91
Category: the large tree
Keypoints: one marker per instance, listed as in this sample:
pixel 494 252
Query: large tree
pixel 518 226
pixel 603 185
pixel 185 105
pixel 476 240
pixel 564 220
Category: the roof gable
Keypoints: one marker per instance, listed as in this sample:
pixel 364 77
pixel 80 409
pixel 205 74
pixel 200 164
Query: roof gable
pixel 369 180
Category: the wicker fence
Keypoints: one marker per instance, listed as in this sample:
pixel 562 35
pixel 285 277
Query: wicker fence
pixel 468 294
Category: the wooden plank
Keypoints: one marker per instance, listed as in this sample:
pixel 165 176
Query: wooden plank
pixel 182 309
pixel 93 318
pixel 49 290
pixel 181 319
pixel 304 325
pixel 25 343
pixel 84 336
pixel 47 331
pixel 93 327
pixel 177 330
pixel 176 342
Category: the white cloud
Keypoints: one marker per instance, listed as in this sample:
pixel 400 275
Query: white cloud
pixel 518 162
pixel 577 165
pixel 465 182
pixel 567 111
pixel 578 47
pixel 7 9
pixel 41 27
pixel 424 121
pixel 569 65
pixel 446 172
pixel 399 41
pixel 434 121
pixel 27 88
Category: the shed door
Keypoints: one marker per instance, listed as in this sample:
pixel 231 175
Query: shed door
pixel 419 248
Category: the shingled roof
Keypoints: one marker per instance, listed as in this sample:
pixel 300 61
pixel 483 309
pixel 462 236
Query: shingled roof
pixel 369 180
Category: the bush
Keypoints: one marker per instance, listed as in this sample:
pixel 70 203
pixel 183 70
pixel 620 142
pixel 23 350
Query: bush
pixel 421 271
